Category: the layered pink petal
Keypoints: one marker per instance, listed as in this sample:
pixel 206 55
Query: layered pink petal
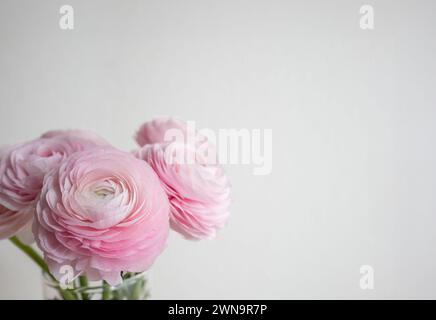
pixel 80 134
pixel 155 131
pixel 11 222
pixel 199 193
pixel 102 212
pixel 22 171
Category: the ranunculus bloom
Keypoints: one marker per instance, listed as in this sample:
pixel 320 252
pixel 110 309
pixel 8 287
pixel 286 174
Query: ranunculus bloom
pixel 167 130
pixel 81 134
pixel 198 190
pixel 11 221
pixel 154 131
pixel 22 170
pixel 102 212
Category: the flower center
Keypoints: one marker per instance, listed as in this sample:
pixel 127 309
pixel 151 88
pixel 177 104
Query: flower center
pixel 104 191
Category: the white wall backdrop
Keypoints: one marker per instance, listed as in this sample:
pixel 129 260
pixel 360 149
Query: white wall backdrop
pixel 352 112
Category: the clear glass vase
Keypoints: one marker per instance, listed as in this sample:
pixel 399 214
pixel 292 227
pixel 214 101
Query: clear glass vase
pixel 133 287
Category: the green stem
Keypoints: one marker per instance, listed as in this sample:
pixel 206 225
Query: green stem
pixel 138 289
pixel 32 254
pixel 84 284
pixel 67 295
pixel 106 291
pixel 41 263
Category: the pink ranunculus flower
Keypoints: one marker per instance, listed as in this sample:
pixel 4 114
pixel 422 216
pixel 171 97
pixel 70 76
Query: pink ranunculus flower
pixel 165 130
pixel 198 191
pixel 11 222
pixel 154 131
pixel 22 170
pixel 101 212
pixel 81 134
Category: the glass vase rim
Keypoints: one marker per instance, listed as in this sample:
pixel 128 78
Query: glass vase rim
pixel 49 281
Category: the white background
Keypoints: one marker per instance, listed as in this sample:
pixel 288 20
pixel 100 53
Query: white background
pixel 352 112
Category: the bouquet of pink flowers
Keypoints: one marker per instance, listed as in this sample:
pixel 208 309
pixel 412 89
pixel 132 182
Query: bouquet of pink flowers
pixel 103 213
